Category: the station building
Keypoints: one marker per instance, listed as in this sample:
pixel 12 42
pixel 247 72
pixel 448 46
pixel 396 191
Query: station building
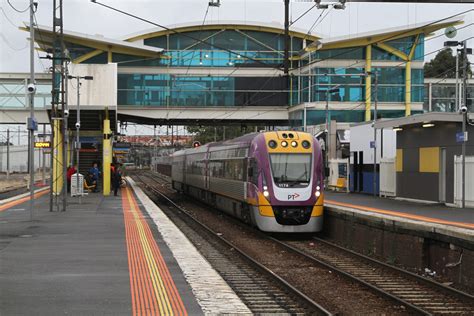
pixel 232 73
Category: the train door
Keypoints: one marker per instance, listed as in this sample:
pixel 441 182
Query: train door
pixel 442 175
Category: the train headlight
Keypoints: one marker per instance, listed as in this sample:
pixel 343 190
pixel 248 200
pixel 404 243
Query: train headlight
pixel 294 144
pixel 305 144
pixel 265 193
pixel 284 143
pixel 318 188
pixel 265 188
pixel 272 144
pixel 318 193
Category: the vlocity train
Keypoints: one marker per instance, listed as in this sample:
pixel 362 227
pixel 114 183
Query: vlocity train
pixel 273 180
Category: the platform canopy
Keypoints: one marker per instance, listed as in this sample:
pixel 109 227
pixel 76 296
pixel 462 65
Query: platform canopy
pixel 383 35
pixel 86 46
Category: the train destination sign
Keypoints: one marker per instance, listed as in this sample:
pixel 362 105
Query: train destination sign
pixel 42 144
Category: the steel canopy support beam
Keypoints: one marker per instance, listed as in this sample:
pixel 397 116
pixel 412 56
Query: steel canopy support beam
pixel 392 50
pixel 87 56
pixel 408 77
pixel 368 82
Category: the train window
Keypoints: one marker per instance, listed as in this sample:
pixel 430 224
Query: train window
pixel 291 168
pixel 253 171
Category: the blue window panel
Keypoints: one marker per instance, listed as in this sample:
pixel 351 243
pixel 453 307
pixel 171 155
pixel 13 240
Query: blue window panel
pixel 417 93
pixel 390 75
pixel 417 76
pixel 340 53
pixel 404 45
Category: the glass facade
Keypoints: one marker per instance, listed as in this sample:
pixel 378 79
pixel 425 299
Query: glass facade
pixel 224 46
pixel 391 85
pixel 183 90
pixel 402 44
pixel 315 117
pixel 13 95
pixel 443 97
pixel 220 48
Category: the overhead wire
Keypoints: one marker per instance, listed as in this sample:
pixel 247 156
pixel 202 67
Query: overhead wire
pixel 182 33
pixel 356 48
pixel 384 39
pixel 202 25
pixel 395 49
pixel 18 10
pixel 41 38
pixel 7 18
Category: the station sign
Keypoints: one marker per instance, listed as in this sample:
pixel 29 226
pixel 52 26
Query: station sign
pixel 42 144
pixel 461 137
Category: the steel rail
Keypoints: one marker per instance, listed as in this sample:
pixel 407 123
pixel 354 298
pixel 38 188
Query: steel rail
pixel 351 277
pixel 311 303
pixel 407 274
pixel 414 276
pixel 379 289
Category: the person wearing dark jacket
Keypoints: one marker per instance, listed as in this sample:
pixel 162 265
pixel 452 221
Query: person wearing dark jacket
pixel 116 179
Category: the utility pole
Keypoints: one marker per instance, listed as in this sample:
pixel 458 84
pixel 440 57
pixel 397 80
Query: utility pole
pixel 286 55
pixel 78 138
pixel 78 127
pixel 464 118
pixel 44 157
pixel 375 135
pixel 32 122
pixel 8 153
pixel 456 93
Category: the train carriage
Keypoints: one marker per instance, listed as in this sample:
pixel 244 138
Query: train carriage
pixel 272 180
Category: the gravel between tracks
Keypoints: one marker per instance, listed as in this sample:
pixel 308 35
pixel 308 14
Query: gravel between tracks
pixel 329 289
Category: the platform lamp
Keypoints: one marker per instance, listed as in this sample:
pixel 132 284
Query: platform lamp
pixel 78 122
pixel 463 109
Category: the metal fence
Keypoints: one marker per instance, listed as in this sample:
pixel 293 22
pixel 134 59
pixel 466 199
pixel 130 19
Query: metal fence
pixel 14 159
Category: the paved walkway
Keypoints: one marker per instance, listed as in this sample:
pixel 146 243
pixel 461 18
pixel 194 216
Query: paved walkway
pixel 432 213
pixel 101 257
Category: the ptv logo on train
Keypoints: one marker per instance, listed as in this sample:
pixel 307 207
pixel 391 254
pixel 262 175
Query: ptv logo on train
pixel 293 196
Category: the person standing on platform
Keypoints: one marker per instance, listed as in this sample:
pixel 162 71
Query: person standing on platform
pixel 116 179
pixel 70 171
pixel 94 171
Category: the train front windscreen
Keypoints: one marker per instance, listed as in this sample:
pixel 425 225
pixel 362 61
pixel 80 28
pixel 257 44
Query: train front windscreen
pixel 291 169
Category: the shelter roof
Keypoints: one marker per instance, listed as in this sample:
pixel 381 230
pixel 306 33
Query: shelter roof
pixel 271 27
pixel 44 38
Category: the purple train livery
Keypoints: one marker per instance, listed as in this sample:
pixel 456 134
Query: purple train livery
pixel 273 180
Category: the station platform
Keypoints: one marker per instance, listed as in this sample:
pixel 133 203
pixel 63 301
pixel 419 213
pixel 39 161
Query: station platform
pixel 428 217
pixel 105 256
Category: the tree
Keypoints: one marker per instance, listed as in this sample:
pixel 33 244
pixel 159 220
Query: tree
pixel 207 134
pixel 444 65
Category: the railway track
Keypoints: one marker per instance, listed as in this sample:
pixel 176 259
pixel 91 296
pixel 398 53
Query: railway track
pixel 263 293
pixel 419 295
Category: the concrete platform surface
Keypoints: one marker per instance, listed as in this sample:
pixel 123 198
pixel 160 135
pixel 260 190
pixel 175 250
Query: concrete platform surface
pixel 428 213
pixel 102 257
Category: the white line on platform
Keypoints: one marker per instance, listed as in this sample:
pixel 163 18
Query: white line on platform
pixel 212 293
pixel 16 197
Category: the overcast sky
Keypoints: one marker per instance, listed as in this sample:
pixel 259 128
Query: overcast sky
pixel 86 17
